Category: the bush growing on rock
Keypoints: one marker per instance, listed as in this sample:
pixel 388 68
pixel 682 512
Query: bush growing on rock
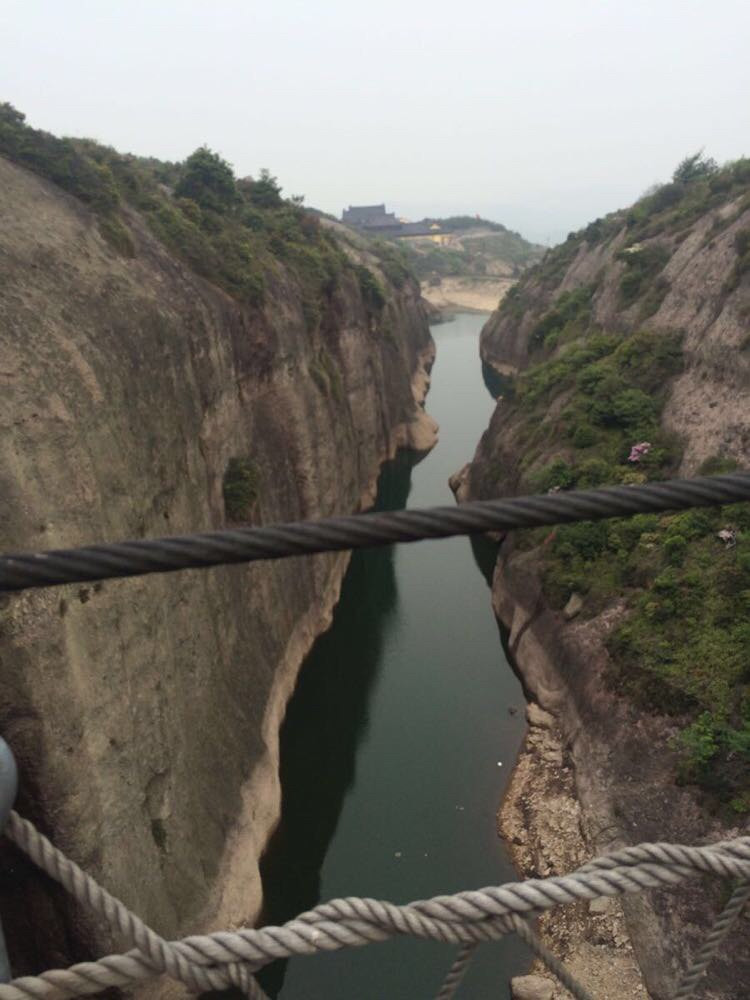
pixel 240 488
pixel 207 180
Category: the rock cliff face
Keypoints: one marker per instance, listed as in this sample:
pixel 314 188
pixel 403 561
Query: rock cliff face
pixel 636 328
pixel 145 713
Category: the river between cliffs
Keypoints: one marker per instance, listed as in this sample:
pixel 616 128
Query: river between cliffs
pixel 401 735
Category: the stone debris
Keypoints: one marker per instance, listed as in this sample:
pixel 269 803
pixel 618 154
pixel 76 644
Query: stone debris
pixel 536 716
pixel 531 988
pixel 728 536
pixel 573 607
pixel 540 820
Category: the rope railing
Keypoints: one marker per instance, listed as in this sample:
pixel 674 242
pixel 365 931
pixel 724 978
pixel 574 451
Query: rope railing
pixel 334 534
pixel 466 919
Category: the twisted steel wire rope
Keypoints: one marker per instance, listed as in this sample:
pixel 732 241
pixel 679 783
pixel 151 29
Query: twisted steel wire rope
pixel 278 541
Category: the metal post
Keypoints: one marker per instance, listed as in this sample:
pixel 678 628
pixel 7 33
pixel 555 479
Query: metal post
pixel 8 788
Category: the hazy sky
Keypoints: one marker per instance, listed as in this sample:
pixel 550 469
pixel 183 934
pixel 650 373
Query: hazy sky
pixel 542 114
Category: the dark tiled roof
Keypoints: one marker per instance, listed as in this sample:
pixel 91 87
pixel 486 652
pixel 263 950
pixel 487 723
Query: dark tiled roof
pixel 375 218
pixel 416 229
pixel 360 213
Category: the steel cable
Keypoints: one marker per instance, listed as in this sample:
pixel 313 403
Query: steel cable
pixel 278 541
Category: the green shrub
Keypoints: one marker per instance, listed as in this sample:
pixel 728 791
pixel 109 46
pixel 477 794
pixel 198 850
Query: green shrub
pixel 371 290
pixel 394 262
pixel 208 181
pixel 265 191
pixel 653 297
pixel 583 435
pixel 573 307
pixel 240 488
pixel 717 465
pixel 557 475
pixel 593 472
pixel 694 168
pixel 587 539
pixel 700 741
pixel 642 265
pixel 675 547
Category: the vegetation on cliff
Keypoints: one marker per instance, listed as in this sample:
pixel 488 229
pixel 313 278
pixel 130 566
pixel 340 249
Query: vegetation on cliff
pixel 587 411
pixel 240 488
pixel 477 248
pixel 233 232
pixel 698 187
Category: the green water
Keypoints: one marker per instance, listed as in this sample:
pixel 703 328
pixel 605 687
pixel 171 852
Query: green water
pixel 391 745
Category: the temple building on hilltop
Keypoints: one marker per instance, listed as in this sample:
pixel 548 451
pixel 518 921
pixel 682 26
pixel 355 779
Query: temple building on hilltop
pixel 370 217
pixel 374 219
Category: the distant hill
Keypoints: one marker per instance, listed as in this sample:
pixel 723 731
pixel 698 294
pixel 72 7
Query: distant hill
pixel 476 247
pixel 474 266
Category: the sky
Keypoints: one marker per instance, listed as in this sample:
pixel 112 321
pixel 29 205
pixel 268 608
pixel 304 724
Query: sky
pixel 542 115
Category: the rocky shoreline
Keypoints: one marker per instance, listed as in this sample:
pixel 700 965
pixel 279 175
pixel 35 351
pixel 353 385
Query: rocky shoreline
pixel 467 294
pixel 586 783
pixel 540 820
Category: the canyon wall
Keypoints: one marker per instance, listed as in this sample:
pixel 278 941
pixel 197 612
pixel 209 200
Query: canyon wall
pixel 633 332
pixel 144 713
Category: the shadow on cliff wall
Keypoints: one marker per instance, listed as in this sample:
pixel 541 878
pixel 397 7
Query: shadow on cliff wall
pixel 325 722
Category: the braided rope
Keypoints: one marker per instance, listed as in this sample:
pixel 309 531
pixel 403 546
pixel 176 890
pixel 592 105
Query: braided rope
pixel 555 966
pixel 215 961
pixel 457 971
pixel 466 954
pixel 333 534
pixel 152 954
pixel 722 926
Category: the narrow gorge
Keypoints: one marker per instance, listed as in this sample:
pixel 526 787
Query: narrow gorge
pixel 401 736
pixel 184 350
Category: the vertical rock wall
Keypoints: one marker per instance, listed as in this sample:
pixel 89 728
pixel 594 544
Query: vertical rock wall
pixel 145 712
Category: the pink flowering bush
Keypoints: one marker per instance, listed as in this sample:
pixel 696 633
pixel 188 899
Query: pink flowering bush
pixel 639 450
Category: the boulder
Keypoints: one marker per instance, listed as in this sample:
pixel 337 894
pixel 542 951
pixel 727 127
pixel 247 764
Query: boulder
pixel 536 716
pixel 531 988
pixel 459 483
pixel 573 607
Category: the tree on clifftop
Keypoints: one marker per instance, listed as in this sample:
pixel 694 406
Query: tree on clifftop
pixel 265 192
pixel 694 167
pixel 207 180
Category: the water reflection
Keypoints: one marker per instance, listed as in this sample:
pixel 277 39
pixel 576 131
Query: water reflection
pixel 399 738
pixel 325 722
pixel 484 550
